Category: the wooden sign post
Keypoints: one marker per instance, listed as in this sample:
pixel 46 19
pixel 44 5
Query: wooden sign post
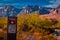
pixel 12 28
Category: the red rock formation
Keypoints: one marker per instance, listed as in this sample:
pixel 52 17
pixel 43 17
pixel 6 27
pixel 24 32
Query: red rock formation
pixel 51 16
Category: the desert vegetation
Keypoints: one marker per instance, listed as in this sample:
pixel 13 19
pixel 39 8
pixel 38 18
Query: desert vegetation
pixel 31 27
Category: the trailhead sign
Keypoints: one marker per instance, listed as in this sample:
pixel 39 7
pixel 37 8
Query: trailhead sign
pixel 12 28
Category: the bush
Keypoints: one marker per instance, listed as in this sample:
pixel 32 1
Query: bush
pixel 30 23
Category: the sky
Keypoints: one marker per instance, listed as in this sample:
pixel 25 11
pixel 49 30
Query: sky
pixel 23 3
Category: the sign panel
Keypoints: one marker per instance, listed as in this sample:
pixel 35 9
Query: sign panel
pixel 12 29
pixel 12 23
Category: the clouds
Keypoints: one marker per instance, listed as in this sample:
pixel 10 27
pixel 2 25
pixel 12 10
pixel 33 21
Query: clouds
pixel 53 3
pixel 22 3
pixel 16 3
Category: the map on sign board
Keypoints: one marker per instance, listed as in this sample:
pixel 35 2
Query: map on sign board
pixel 12 29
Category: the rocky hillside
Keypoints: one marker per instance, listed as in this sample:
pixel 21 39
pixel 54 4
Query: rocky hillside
pixel 51 16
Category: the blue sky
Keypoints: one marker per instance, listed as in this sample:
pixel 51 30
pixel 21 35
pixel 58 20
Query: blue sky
pixel 22 3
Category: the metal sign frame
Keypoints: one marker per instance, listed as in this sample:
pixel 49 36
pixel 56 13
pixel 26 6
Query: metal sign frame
pixel 12 36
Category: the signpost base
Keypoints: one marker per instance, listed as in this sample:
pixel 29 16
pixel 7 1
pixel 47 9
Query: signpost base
pixel 11 36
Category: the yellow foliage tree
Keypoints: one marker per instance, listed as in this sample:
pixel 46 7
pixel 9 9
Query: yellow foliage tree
pixel 30 23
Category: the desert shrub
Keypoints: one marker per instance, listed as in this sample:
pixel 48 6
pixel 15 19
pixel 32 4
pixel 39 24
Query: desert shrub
pixel 58 25
pixel 30 23
pixel 48 37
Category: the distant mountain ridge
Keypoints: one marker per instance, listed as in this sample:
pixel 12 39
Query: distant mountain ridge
pixel 12 11
pixel 42 10
pixel 9 11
